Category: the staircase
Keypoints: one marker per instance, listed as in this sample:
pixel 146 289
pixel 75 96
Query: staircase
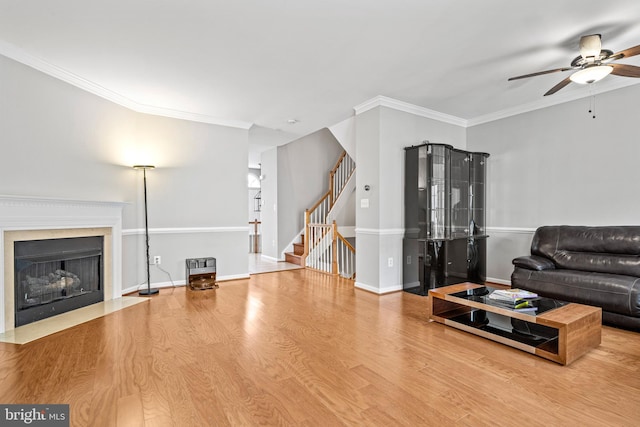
pixel 324 248
pixel 297 256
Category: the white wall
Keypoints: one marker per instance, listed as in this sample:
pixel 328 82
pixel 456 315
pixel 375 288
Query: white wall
pixel 382 133
pixel 303 177
pixel 59 141
pixel 345 134
pixel 269 214
pixel 558 165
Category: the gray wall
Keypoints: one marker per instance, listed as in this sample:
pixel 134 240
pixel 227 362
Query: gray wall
pixel 558 165
pixel 59 141
pixel 303 177
pixel 381 135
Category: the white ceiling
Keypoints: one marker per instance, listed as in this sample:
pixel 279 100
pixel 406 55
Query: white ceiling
pixel 262 63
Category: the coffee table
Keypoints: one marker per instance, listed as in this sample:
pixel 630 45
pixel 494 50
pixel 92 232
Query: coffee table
pixel 559 331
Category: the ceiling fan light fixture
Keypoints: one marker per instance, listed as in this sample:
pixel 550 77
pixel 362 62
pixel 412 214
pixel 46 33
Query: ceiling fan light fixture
pixel 591 74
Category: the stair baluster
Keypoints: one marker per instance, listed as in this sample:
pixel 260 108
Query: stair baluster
pixel 324 248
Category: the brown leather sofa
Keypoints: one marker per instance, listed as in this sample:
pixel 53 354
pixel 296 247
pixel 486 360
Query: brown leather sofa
pixel 597 266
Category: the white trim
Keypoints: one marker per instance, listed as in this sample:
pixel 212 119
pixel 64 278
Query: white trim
pixel 19 55
pixel 380 231
pixel 512 230
pixel 8 200
pixel 499 281
pixel 289 247
pixel 185 230
pixel 400 231
pixel 544 102
pixel 383 101
pixel 179 283
pixel 379 291
pixel 233 277
pixel 41 213
pixel 270 258
pixel 157 285
pixel 347 231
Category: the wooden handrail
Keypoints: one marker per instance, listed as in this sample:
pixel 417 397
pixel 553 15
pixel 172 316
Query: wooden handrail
pixel 318 202
pixel 345 242
pixel 335 168
pixel 313 213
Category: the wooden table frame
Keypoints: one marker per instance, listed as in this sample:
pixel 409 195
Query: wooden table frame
pixel 579 326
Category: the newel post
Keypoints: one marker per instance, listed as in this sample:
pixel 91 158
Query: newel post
pixel 307 220
pixel 334 248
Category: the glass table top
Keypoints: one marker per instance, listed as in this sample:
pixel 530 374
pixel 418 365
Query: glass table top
pixel 534 306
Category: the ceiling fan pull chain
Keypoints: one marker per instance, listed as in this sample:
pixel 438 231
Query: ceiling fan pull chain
pixel 592 102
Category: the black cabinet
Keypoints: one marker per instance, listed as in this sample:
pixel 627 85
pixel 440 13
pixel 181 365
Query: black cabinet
pixel 445 240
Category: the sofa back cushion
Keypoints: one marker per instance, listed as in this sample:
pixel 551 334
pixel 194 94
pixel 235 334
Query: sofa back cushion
pixel 607 249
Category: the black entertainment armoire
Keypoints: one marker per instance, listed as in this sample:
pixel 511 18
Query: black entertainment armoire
pixel 445 240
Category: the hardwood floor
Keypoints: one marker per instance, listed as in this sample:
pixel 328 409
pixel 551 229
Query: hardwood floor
pixel 301 348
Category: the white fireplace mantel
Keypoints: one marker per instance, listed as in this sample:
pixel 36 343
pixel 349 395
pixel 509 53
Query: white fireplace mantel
pixel 18 213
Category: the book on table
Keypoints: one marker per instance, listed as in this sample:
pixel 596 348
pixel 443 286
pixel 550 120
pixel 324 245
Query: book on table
pixel 521 305
pixel 511 294
pixel 515 299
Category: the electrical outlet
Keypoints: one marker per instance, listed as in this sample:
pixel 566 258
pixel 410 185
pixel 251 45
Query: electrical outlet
pixel 408 259
pixel 390 262
pixel 157 259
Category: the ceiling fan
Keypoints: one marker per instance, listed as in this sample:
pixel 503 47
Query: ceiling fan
pixel 593 64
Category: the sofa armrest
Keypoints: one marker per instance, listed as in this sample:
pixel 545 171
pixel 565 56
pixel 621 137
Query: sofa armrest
pixel 534 262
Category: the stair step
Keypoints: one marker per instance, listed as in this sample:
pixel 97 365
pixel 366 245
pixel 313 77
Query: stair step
pixel 293 258
pixel 298 248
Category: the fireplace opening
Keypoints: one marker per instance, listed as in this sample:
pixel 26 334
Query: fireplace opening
pixel 53 276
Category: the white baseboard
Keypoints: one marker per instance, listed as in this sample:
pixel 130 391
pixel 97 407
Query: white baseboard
pixel 232 277
pixel 156 285
pixel 499 281
pixel 379 291
pixel 176 283
pixel 270 258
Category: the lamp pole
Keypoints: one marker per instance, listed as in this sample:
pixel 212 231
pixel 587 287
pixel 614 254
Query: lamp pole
pixel 147 291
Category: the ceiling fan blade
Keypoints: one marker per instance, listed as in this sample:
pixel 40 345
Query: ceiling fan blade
pixel 539 73
pixel 558 86
pixel 625 70
pixel 632 51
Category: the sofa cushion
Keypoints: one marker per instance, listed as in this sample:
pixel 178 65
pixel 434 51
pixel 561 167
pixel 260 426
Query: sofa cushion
pixel 596 249
pixel 534 262
pixel 614 293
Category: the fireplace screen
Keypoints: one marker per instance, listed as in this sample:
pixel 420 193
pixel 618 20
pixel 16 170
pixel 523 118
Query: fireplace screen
pixel 54 276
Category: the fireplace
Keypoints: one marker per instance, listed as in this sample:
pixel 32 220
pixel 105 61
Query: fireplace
pixel 34 218
pixel 53 276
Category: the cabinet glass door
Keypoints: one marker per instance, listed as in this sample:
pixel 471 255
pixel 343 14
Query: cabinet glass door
pixel 439 201
pixel 477 194
pixel 459 194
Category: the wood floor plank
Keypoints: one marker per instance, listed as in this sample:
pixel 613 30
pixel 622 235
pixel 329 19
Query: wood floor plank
pixel 306 349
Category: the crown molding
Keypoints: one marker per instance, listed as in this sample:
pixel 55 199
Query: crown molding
pixel 601 87
pixel 19 55
pixel 606 85
pixel 383 101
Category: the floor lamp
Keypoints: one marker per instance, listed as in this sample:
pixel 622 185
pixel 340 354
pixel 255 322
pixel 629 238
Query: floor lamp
pixel 147 291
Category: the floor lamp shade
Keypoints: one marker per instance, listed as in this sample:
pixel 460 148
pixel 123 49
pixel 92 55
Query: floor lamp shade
pixel 144 169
